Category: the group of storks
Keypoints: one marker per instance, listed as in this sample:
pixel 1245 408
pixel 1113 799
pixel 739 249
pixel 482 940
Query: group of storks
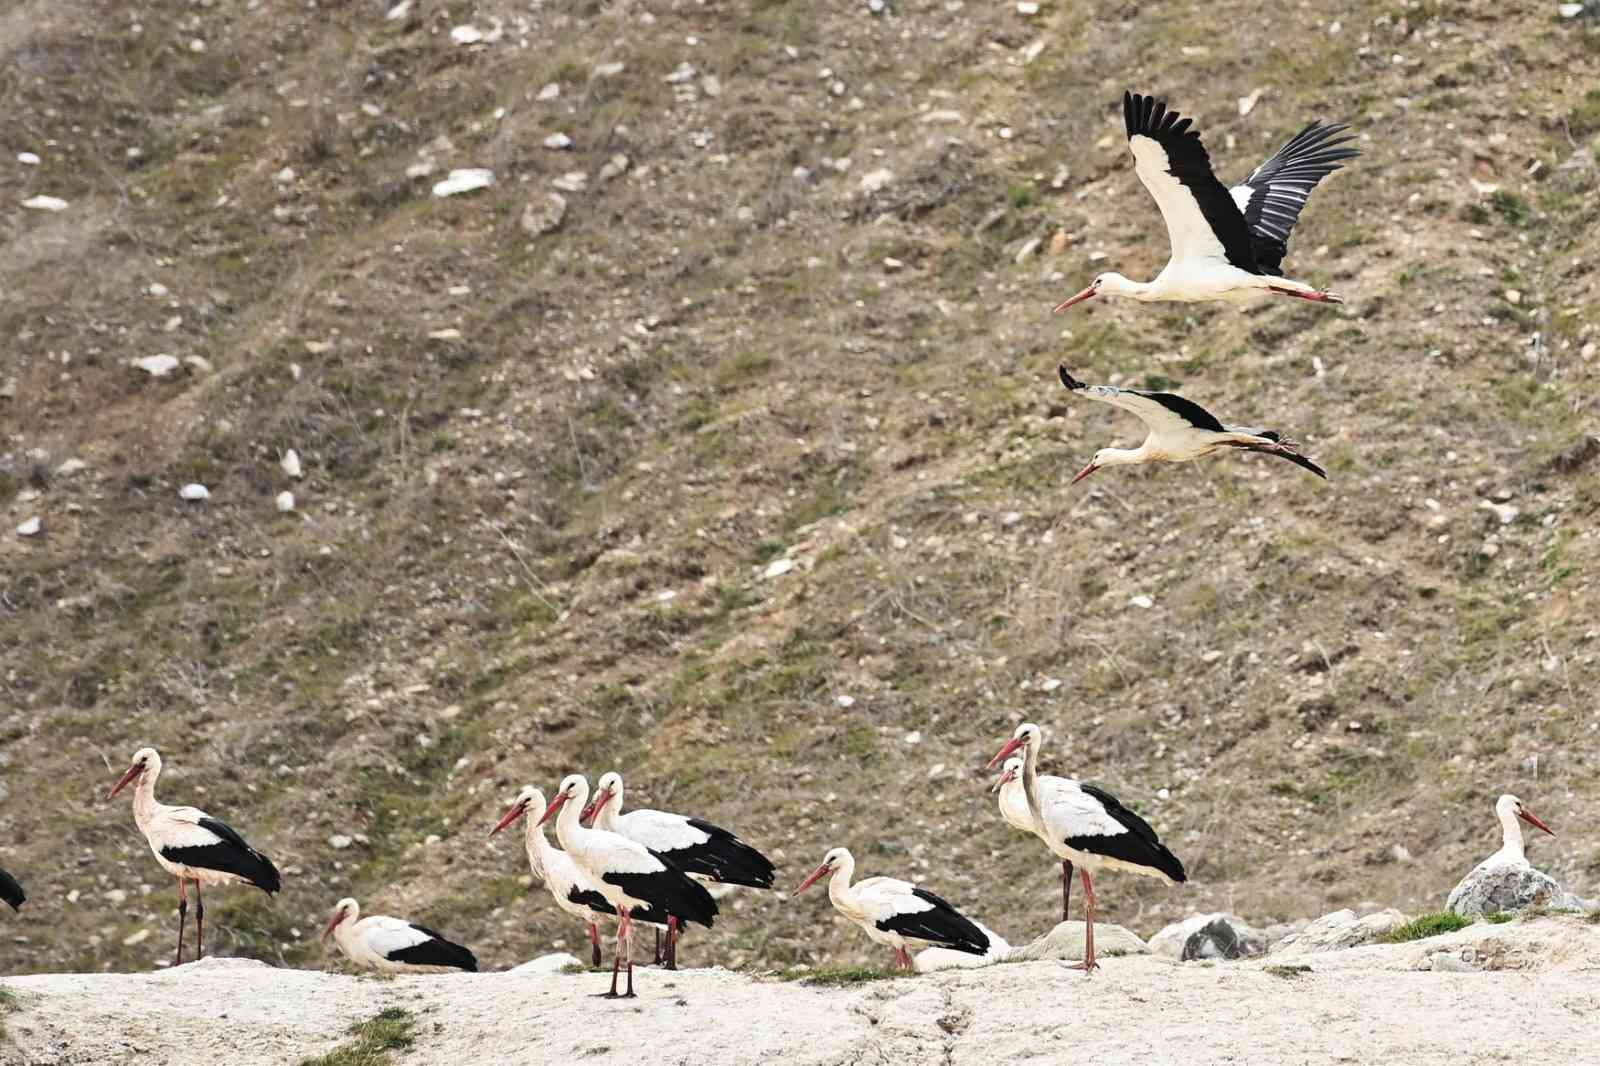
pixel 651 867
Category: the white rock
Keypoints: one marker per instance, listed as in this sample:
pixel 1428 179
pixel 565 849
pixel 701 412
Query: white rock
pixel 45 203
pixel 27 159
pixel 338 842
pixel 549 92
pixel 778 567
pixel 195 491
pixel 465 180
pixel 1506 513
pixel 557 142
pixel 291 464
pixel 873 180
pixel 466 34
pixel 1142 602
pixel 614 167
pixel 556 962
pixel 544 215
pixel 875 6
pixel 1569 11
pixel 284 176
pixel 1065 941
pixel 198 363
pixel 845 701
pixel 1027 7
pixel 70 467
pixel 136 938
pixel 711 85
pixel 157 366
pixel 398 11
pixel 285 501
pixel 30 527
pixel 914 737
pixel 1247 104
pixel 1341 929
pixel 940 116
pixel 572 181
pixel 1050 684
pixel 609 70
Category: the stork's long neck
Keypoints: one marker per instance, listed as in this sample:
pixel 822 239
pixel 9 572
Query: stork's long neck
pixel 839 885
pixel 1117 285
pixel 606 817
pixel 1123 456
pixel 1030 781
pixel 534 839
pixel 144 797
pixel 344 934
pixel 1512 846
pixel 569 830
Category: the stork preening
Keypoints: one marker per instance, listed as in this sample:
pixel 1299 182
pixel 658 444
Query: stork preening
pixel 629 876
pixel 393 945
pixel 1178 430
pixel 895 913
pixel 574 890
pixel 1086 826
pixel 1227 244
pixel 11 891
pixel 192 846
pixel 705 851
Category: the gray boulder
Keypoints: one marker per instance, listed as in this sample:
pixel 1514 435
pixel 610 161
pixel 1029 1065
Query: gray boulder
pixel 1208 936
pixel 1492 888
pixel 1339 930
pixel 1065 941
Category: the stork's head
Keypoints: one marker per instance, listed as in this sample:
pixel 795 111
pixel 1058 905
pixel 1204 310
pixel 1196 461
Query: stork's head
pixel 346 910
pixel 529 799
pixel 836 859
pixel 574 789
pixel 1509 804
pixel 145 761
pixel 1108 284
pixel 1008 773
pixel 608 788
pixel 1027 736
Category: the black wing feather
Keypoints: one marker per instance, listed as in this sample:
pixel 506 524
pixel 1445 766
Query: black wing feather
pixel 11 891
pixel 723 858
pixel 1188 410
pixel 1187 160
pixel 942 924
pixel 230 855
pixel 1139 845
pixel 668 891
pixel 588 897
pixel 1279 187
pixel 435 951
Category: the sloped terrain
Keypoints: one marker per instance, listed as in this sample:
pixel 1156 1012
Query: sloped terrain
pixel 794 313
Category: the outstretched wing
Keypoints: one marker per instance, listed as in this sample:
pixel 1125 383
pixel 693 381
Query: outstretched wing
pixel 1276 191
pixel 1162 412
pixel 1203 219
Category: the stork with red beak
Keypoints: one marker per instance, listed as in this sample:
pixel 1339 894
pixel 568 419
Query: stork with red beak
pixel 393 945
pixel 1086 826
pixel 1505 880
pixel 192 846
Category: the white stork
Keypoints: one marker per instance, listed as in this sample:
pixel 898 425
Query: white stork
pixel 192 846
pixel 574 890
pixel 1227 244
pixel 1086 826
pixel 1179 430
pixel 1477 893
pixel 630 878
pixel 393 945
pixel 11 891
pixel 1014 809
pixel 895 913
pixel 704 851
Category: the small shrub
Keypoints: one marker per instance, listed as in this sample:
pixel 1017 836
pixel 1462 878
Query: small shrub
pixel 1425 926
pixel 392 1029
pixel 1499 917
pixel 840 978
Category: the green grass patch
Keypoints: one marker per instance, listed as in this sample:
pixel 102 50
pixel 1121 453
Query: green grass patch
pixel 1499 917
pixel 392 1029
pixel 8 1004
pixel 842 977
pixel 1425 926
pixel 1288 973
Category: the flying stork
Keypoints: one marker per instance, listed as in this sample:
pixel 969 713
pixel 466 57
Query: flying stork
pixel 1227 244
pixel 192 846
pixel 704 851
pixel 574 890
pixel 629 876
pixel 895 913
pixel 1086 826
pixel 11 891
pixel 1179 430
pixel 393 945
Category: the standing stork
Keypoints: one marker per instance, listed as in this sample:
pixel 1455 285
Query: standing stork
pixel 704 851
pixel 1179 430
pixel 1086 826
pixel 11 891
pixel 192 846
pixel 895 913
pixel 393 945
pixel 1014 809
pixel 574 890
pixel 629 876
pixel 1227 244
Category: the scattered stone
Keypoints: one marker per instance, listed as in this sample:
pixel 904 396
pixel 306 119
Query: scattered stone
pixel 1339 930
pixel 466 180
pixel 398 11
pixel 891 264
pixel 778 567
pixel 556 962
pixel 194 491
pixel 608 70
pixel 711 85
pixel 612 168
pixel 1033 51
pixel 1027 8
pixel 1142 602
pixel 1505 512
pixel 284 176
pixel 285 501
pixel 1065 941
pixel 914 737
pixel 338 842
pixel 940 117
pixel 558 142
pixel 1445 962
pixel 45 203
pixel 1585 448
pixel 1247 104
pixel 549 92
pixel 1508 886
pixel 8 389
pixel 845 701
pixel 157 366
pixel 291 464
pixel 70 467
pixel 544 215
pixel 1569 11
pixel 875 180
pixel 27 159
pixel 572 181
pixel 1029 246
pixel 198 363
pixel 136 938
pixel 30 527
pixel 467 34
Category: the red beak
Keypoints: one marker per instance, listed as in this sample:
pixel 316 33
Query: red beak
pixel 599 801
pixel 517 811
pixel 1005 779
pixel 332 924
pixel 1085 472
pixel 1534 821
pixel 816 875
pixel 133 772
pixel 1006 752
pixel 555 805
pixel 1078 299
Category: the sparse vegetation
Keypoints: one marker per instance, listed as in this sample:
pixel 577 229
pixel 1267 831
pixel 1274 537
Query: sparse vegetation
pixel 1425 926
pixel 838 977
pixel 1287 971
pixel 8 1004
pixel 392 1029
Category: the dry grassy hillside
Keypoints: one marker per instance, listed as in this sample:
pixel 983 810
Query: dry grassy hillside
pixel 795 312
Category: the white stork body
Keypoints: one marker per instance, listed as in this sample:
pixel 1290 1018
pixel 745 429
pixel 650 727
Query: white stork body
pixel 192 846
pixel 1088 827
pixel 895 913
pixel 1227 244
pixel 393 945
pixel 1505 880
pixel 1179 430
pixel 627 874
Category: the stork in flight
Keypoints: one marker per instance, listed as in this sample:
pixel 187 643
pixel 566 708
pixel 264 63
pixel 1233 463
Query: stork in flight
pixel 1088 827
pixel 895 913
pixel 1179 430
pixel 393 945
pixel 11 891
pixel 704 851
pixel 192 846
pixel 1227 244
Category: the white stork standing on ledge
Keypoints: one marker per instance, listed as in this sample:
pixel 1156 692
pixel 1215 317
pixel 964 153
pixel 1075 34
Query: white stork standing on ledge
pixel 1227 244
pixel 704 851
pixel 1179 430
pixel 895 913
pixel 1014 809
pixel 1086 826
pixel 574 890
pixel 192 846
pixel 393 945
pixel 629 876
pixel 11 891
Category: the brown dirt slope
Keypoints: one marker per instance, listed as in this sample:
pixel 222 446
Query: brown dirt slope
pixel 545 473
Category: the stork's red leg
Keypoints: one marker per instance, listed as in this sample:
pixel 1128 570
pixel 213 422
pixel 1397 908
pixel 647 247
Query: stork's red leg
pixel 199 924
pixel 627 936
pixel 616 961
pixel 1088 965
pixel 672 942
pixel 659 957
pixel 594 942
